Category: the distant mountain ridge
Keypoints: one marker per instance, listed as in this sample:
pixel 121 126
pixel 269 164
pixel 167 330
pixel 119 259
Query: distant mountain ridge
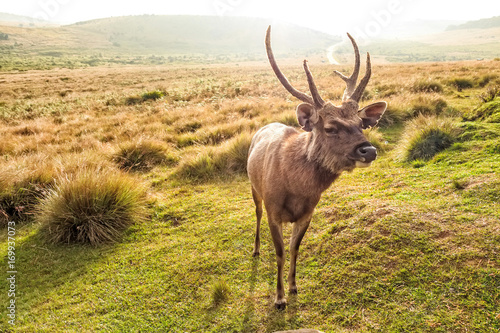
pixel 158 39
pixel 492 22
pixel 11 19
pixel 202 34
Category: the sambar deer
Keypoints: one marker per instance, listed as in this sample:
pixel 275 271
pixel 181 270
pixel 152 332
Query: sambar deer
pixel 289 169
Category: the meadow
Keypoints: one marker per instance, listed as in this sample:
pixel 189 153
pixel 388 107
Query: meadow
pixel 411 244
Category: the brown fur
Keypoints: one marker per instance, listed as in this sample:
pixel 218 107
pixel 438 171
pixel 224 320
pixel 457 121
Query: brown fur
pixel 289 169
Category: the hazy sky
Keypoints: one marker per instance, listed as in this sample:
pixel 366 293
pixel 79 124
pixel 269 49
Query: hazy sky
pixel 327 16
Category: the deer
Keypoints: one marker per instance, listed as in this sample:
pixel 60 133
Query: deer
pixel 289 169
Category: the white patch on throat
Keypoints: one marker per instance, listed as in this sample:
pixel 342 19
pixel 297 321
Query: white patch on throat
pixel 360 164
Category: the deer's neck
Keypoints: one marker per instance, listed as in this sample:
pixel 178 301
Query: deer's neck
pixel 301 152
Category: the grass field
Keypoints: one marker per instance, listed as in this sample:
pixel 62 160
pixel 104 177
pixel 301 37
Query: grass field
pixel 403 246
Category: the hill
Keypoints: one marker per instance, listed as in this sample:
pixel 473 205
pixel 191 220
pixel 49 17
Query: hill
pixel 151 39
pixel 492 22
pixel 202 34
pixel 157 40
pixel 18 20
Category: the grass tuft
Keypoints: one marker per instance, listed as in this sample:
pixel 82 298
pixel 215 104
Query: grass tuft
pixel 92 207
pixel 220 292
pixel 488 112
pixel 153 95
pixel 427 106
pixel 424 137
pixel 142 156
pixel 147 96
pixel 427 87
pixel 461 83
pixel 490 94
pixel 228 159
pixel 21 189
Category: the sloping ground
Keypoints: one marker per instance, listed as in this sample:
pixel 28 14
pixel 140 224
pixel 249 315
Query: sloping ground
pixel 395 247
pixel 463 37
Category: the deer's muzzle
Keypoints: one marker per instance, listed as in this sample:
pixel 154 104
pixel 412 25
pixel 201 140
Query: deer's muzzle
pixel 366 153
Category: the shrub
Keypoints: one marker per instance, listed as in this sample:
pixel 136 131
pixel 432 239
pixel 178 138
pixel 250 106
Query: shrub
pixel 424 137
pixel 91 207
pixel 142 156
pixel 427 87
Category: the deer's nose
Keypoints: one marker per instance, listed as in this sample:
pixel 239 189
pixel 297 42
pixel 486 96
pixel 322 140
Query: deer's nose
pixel 366 153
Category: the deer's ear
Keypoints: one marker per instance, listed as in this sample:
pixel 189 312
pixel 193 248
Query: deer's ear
pixel 307 116
pixel 372 113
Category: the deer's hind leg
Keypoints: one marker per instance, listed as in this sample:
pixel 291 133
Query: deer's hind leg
pixel 257 199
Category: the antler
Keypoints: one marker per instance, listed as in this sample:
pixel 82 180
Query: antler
pixel 351 90
pixel 316 98
pixel 312 87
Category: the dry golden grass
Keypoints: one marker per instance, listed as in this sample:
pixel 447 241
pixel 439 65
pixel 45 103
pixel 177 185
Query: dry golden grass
pixel 72 115
pixel 408 242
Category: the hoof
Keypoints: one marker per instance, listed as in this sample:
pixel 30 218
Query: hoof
pixel 255 254
pixel 280 306
pixel 293 291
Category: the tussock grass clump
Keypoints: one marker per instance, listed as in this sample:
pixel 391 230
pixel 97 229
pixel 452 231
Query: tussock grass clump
pixel 228 159
pixel 386 90
pixel 152 95
pixel 394 114
pixel 427 87
pixel 490 94
pixel 214 135
pixel 220 292
pixel 149 95
pixel 485 79
pixel 488 112
pixel 289 119
pixel 189 127
pixel 142 156
pixel 20 190
pixel 91 207
pixel 424 137
pixel 461 83
pixel 427 105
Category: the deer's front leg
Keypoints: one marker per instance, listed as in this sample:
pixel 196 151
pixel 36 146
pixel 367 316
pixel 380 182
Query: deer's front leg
pixel 276 229
pixel 299 229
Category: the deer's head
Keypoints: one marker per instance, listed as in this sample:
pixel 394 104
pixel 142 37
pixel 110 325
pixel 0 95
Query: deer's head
pixel 337 140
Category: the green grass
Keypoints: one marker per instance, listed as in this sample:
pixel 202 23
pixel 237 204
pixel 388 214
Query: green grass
pixel 390 248
pixel 397 247
pixel 488 112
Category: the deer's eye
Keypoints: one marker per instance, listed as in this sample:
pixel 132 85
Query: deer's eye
pixel 330 130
